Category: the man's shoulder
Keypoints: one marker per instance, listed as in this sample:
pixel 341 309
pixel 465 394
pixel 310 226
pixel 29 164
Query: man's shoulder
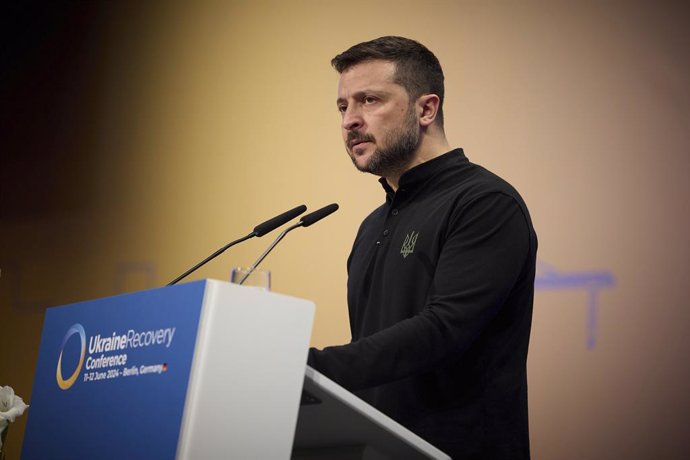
pixel 473 181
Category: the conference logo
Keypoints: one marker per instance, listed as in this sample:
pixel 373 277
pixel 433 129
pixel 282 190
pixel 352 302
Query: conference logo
pixel 63 383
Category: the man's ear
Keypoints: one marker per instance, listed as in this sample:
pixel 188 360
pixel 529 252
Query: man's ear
pixel 427 106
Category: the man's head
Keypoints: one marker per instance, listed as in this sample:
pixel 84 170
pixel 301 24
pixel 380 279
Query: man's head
pixel 390 95
pixel 416 68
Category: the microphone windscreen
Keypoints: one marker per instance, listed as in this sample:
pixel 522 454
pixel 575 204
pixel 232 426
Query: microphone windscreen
pixel 318 214
pixel 277 221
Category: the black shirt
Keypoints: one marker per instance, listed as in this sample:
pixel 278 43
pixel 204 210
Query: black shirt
pixel 440 292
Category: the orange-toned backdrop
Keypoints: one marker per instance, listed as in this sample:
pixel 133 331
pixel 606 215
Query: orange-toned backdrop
pixel 138 138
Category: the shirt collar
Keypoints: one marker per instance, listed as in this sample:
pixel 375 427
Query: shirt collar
pixel 413 177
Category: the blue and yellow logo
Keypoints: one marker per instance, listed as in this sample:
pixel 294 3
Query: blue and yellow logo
pixel 62 383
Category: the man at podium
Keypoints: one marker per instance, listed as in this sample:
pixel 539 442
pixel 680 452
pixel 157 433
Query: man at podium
pixel 441 276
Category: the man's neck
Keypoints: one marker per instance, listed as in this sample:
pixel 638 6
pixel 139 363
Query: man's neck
pixel 428 149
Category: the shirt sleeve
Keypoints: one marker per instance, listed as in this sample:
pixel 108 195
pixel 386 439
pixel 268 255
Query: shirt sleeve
pixel 487 249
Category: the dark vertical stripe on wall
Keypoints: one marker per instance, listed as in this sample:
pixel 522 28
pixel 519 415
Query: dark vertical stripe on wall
pixel 51 56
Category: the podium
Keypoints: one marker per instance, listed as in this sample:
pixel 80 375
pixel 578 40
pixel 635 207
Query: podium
pixel 205 369
pixel 335 424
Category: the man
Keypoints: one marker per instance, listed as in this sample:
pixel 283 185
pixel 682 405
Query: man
pixel 441 276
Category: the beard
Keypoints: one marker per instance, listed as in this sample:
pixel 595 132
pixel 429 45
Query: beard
pixel 395 152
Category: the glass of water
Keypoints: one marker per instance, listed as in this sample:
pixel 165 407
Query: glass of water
pixel 258 278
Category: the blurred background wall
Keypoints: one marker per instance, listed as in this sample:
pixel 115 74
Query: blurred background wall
pixel 138 137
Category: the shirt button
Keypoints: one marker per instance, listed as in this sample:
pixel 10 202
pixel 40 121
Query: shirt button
pixel 386 232
pixel 394 212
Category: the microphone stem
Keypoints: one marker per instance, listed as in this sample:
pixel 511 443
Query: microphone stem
pixel 269 249
pixel 211 257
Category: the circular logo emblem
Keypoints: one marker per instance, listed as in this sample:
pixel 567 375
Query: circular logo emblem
pixel 62 383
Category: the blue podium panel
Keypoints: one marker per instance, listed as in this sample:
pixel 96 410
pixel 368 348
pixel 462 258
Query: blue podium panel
pixel 112 376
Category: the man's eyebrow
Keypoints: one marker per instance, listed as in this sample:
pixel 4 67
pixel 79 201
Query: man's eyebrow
pixel 362 93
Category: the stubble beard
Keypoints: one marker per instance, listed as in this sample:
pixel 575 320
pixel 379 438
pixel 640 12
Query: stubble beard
pixel 399 147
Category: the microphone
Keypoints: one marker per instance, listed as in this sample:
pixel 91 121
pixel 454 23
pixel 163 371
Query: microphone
pixel 260 230
pixel 317 215
pixel 305 221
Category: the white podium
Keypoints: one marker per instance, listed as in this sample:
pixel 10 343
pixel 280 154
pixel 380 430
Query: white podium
pixel 202 370
pixel 247 374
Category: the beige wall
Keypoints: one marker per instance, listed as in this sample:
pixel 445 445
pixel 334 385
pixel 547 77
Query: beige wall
pixel 206 119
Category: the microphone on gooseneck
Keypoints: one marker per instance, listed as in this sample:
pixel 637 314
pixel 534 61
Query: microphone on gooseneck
pixel 305 221
pixel 317 215
pixel 259 231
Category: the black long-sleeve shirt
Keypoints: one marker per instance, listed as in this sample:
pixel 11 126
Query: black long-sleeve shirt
pixel 440 292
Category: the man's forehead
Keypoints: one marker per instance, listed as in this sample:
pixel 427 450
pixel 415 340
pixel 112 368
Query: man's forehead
pixel 371 74
pixel 372 68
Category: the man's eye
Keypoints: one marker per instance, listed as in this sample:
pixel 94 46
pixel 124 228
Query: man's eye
pixel 369 100
pixel 342 108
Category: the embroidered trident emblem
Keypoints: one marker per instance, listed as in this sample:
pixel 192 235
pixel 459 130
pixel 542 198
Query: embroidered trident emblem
pixel 408 245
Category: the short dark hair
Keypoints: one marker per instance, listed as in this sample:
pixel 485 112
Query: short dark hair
pixel 416 68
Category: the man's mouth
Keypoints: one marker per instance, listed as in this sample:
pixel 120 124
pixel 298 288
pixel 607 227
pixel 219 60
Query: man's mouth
pixel 352 143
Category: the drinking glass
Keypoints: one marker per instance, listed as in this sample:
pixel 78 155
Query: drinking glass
pixel 258 278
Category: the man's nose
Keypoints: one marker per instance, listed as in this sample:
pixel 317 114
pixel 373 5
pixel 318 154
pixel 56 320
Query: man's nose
pixel 352 119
